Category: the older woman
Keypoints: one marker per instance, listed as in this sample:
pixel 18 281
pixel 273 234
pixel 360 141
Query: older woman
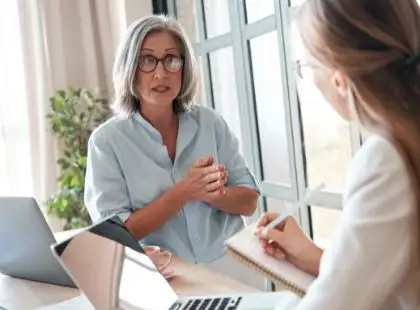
pixel 169 168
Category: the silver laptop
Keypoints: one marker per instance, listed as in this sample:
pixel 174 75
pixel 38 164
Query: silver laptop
pixel 113 272
pixel 25 241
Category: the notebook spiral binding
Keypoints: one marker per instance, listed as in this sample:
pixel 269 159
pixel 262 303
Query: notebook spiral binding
pixel 287 285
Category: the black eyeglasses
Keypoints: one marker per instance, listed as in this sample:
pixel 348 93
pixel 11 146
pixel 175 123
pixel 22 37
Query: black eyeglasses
pixel 171 63
pixel 299 67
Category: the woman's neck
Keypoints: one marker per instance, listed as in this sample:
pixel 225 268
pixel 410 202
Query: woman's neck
pixel 161 118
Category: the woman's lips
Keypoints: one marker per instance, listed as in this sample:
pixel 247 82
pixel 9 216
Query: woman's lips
pixel 160 89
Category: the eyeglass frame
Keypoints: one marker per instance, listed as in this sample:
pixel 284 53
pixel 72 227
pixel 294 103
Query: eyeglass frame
pixel 299 65
pixel 161 59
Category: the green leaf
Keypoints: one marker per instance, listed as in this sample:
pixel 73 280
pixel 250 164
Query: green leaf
pixel 74 114
pixel 89 95
pixel 61 94
pixel 63 162
pixel 82 162
pixel 77 92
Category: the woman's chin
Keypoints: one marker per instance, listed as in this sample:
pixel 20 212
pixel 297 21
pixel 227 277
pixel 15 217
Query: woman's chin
pixel 161 98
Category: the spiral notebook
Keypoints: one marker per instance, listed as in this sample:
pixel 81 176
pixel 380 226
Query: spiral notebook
pixel 246 248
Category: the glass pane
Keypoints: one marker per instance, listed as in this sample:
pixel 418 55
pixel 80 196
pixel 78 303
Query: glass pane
pixel 201 92
pixel 186 15
pixel 280 206
pixel 296 2
pixel 324 222
pixel 216 13
pixel 270 108
pixel 258 9
pixel 224 88
pixel 327 136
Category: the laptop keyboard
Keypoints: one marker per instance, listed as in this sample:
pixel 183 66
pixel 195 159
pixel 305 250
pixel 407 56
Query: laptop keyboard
pixel 209 304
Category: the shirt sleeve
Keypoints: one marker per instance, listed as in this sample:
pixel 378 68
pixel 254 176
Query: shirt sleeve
pixel 371 250
pixel 106 191
pixel 228 151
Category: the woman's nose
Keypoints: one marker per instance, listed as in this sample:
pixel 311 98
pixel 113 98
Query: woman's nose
pixel 160 71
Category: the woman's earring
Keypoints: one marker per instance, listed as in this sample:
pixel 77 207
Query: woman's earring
pixel 340 83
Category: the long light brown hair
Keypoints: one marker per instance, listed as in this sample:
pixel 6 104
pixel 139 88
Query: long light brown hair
pixel 376 43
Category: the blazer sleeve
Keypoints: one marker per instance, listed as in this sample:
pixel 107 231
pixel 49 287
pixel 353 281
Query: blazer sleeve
pixel 106 190
pixel 371 250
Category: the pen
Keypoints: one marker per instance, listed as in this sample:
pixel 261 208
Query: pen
pixel 276 222
pixel 301 203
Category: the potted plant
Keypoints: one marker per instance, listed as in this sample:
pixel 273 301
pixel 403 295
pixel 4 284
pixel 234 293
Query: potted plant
pixel 74 115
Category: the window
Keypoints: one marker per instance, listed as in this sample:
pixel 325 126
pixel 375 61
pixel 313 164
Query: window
pixel 223 82
pixel 216 17
pixel 258 9
pixel 324 222
pixel 289 135
pixel 270 107
pixel 296 2
pixel 281 206
pixel 15 162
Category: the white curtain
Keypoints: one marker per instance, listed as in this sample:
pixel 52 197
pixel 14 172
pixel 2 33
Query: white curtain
pixel 47 45
pixel 15 167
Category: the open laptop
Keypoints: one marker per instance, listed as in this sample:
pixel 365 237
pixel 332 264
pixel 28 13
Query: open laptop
pixel 25 241
pixel 113 272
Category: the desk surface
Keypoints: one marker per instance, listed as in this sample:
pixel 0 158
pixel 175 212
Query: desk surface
pixel 189 280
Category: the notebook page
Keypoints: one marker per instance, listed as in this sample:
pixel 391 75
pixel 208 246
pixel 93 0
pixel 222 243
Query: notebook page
pixel 248 245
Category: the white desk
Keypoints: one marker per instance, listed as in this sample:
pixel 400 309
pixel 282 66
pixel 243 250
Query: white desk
pixel 190 279
pixel 17 294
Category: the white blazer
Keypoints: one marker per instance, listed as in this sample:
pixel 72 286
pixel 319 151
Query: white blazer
pixel 368 265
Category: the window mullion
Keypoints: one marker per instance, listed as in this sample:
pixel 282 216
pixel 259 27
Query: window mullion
pixel 244 89
pixel 297 150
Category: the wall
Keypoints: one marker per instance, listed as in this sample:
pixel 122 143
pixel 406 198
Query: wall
pixel 136 8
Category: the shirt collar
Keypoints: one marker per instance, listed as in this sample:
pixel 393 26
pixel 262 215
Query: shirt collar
pixel 146 125
pixel 188 127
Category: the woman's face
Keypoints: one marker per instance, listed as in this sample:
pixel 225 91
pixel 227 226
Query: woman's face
pixel 159 71
pixel 333 85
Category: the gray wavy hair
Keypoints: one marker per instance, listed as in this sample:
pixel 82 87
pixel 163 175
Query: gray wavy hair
pixel 127 97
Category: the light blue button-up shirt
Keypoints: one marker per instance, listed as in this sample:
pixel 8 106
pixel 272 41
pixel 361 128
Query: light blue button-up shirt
pixel 129 167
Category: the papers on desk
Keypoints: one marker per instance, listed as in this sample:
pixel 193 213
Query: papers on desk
pixel 80 303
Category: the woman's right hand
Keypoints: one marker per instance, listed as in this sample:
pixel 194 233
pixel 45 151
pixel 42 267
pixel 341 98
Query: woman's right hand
pixel 287 240
pixel 204 181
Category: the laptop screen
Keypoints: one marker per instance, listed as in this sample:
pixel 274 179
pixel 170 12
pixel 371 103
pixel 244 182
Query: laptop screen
pixel 112 270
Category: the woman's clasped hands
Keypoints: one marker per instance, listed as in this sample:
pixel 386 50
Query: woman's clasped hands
pixel 288 241
pixel 204 181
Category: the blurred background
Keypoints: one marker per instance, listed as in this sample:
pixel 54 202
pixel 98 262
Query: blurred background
pixel 246 49
pixel 58 51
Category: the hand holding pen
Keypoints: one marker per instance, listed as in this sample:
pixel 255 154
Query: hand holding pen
pixel 282 238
